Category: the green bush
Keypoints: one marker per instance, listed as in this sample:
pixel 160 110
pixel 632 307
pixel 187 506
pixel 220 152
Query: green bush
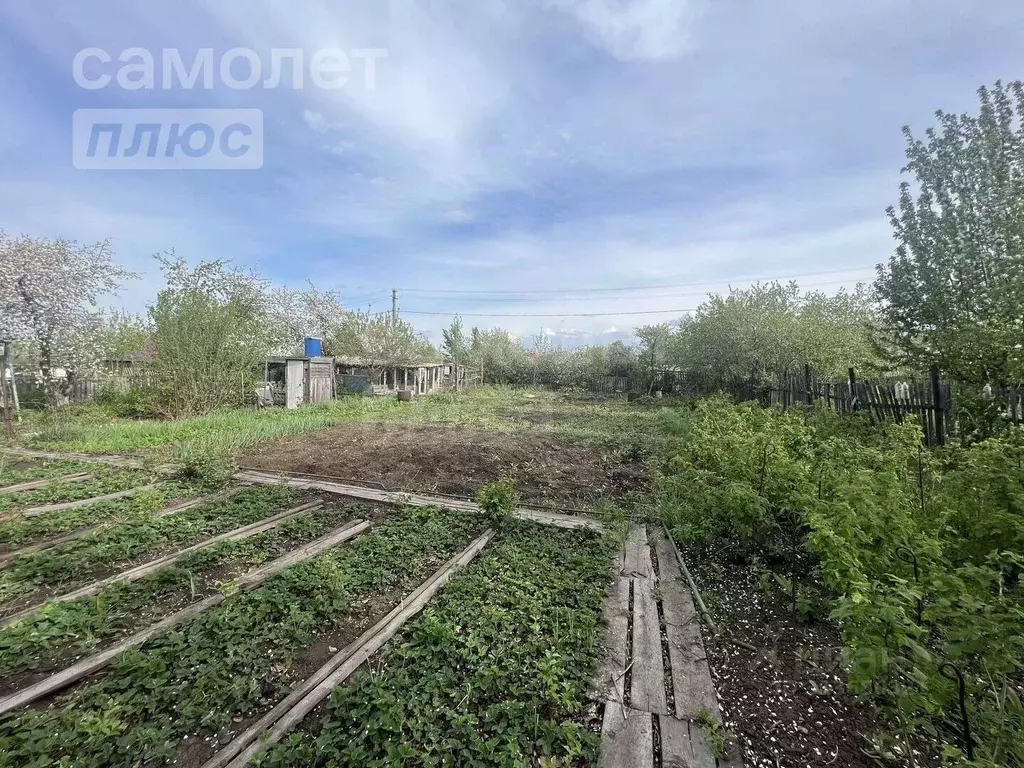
pixel 849 506
pixel 498 500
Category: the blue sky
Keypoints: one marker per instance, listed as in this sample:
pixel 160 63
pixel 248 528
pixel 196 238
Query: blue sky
pixel 512 145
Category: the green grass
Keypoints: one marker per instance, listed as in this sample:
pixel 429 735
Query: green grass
pixel 613 424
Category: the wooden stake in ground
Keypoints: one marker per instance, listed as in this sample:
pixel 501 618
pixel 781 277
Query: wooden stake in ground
pixel 5 404
pixel 244 583
pixel 271 727
pixel 141 571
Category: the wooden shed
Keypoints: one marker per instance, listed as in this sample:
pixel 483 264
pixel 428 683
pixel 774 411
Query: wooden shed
pixel 296 381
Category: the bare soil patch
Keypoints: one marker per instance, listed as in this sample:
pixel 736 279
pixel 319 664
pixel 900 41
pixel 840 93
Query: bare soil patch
pixel 453 461
pixel 788 702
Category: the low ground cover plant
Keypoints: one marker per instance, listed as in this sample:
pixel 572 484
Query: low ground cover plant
pixel 63 630
pixel 75 563
pixel 209 672
pixel 493 672
pixel 918 553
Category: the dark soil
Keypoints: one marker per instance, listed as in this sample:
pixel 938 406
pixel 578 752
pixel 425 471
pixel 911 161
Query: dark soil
pixel 452 461
pixel 788 702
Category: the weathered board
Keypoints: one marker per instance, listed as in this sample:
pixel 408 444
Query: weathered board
pixel 683 745
pixel 627 738
pixel 413 499
pixel 269 729
pixel 647 688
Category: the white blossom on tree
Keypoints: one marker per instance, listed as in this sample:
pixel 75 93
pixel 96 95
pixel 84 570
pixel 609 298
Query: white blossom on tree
pixel 48 293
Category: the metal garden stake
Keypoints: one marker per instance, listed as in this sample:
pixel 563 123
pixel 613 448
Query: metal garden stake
pixel 952 672
pixel 906 554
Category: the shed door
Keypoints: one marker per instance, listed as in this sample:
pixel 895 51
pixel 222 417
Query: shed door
pixel 293 383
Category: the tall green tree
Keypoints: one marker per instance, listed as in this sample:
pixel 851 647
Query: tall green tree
pixel 953 291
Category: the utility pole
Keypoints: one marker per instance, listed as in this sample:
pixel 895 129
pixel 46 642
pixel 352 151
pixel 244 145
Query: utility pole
pixel 394 306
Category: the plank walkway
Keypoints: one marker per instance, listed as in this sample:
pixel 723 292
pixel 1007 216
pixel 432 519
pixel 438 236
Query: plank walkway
pixel 413 499
pixel 245 583
pixel 652 673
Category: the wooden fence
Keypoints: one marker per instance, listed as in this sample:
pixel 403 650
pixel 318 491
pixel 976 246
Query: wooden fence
pixel 931 401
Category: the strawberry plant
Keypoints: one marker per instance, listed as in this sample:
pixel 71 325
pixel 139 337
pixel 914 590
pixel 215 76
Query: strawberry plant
pixel 62 630
pixel 78 562
pixel 209 673
pixel 493 672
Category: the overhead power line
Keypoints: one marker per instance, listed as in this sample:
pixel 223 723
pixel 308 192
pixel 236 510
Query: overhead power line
pixel 636 287
pixel 556 314
pixel 646 297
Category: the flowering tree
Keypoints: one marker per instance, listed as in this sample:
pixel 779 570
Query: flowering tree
pixel 48 294
pixel 953 292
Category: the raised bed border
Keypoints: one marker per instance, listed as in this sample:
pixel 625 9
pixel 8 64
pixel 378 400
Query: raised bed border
pixel 140 571
pixel 244 583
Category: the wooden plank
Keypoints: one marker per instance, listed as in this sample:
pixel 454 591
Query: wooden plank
pixel 647 689
pixel 245 583
pixel 414 499
pixel 119 461
pixel 171 509
pixel 684 745
pixel 143 570
pixel 34 485
pixel 36 511
pixel 627 738
pixel 638 554
pixel 610 678
pixel 692 686
pixel 269 729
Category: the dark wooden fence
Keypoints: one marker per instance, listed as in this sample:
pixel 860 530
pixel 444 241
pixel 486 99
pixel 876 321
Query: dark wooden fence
pixel 930 401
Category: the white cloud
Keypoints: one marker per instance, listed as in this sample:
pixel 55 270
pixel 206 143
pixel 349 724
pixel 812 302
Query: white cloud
pixel 315 120
pixel 458 216
pixel 639 29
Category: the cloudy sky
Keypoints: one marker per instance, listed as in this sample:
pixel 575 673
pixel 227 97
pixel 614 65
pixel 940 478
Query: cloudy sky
pixel 511 153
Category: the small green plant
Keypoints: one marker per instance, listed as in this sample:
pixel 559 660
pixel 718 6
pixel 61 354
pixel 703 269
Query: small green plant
pixel 718 737
pixel 498 500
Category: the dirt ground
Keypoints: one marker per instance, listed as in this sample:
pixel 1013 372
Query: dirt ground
pixel 787 702
pixel 452 461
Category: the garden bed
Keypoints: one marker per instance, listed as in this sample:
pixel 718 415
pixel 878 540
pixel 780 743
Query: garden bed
pixel 787 702
pixel 453 461
pixel 206 677
pixel 53 637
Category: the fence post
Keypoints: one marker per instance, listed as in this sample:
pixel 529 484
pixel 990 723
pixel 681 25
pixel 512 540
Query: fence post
pixel 807 385
pixel 853 390
pixel 940 414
